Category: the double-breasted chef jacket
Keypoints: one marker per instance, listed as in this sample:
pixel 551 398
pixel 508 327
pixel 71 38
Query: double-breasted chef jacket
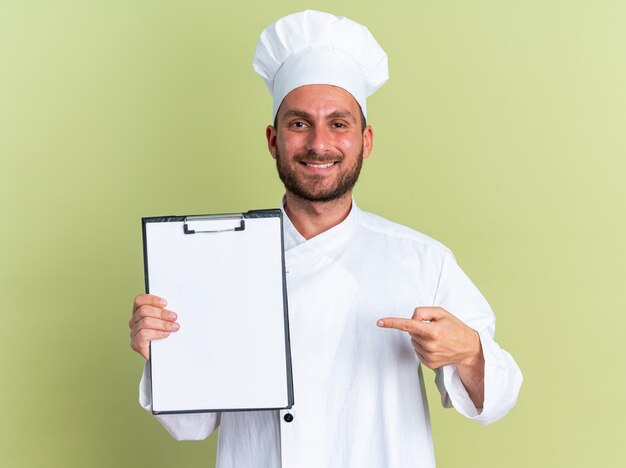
pixel 359 389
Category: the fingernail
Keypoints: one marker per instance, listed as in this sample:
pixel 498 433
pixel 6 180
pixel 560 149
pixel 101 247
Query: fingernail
pixel 175 326
pixel 163 302
pixel 380 323
pixel 171 316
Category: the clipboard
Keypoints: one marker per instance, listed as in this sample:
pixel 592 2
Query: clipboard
pixel 224 276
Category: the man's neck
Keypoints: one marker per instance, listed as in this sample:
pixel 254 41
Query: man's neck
pixel 311 218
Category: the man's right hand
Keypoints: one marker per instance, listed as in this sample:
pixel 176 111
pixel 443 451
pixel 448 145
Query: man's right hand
pixel 150 321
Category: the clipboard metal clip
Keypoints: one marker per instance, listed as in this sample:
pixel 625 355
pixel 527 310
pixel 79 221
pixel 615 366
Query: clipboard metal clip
pixel 214 223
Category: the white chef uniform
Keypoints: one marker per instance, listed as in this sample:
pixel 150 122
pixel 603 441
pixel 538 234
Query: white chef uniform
pixel 359 391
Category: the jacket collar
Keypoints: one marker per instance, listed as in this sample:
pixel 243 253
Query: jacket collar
pixel 324 242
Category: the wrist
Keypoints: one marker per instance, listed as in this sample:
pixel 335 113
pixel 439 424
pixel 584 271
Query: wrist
pixel 474 357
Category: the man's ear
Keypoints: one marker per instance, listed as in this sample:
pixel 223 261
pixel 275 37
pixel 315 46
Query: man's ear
pixel 368 141
pixel 270 134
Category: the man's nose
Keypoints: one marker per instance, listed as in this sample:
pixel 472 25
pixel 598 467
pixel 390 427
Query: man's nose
pixel 319 140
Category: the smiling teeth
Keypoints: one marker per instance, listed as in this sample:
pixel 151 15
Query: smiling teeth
pixel 320 166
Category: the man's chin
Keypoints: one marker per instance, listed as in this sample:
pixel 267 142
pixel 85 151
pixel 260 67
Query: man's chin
pixel 319 196
pixel 319 188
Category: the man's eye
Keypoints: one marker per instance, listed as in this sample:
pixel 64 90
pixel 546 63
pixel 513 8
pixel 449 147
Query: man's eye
pixel 339 125
pixel 297 124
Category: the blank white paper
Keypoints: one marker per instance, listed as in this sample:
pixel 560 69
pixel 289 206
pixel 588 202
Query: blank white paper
pixel 227 289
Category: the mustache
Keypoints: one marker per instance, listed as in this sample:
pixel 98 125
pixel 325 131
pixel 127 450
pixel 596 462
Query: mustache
pixel 312 156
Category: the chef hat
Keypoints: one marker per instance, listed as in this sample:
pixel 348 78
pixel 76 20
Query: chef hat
pixel 312 47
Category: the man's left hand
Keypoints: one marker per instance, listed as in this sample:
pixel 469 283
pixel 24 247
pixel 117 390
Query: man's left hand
pixel 439 338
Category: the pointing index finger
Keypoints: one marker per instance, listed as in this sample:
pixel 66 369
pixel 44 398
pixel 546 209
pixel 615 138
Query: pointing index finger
pixel 407 325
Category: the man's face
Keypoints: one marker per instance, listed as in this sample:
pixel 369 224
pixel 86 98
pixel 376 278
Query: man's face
pixel 319 143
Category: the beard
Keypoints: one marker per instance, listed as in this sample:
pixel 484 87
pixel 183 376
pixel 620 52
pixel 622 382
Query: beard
pixel 313 187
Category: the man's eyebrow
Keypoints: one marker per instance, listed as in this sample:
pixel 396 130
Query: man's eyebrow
pixel 297 113
pixel 342 115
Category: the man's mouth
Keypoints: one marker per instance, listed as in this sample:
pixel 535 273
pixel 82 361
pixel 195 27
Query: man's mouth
pixel 320 165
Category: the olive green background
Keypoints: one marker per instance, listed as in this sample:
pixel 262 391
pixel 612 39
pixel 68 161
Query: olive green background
pixel 501 133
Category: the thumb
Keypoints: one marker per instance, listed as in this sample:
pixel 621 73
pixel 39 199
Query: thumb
pixel 428 314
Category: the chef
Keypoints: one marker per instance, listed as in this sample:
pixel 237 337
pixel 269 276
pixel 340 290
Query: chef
pixel 371 302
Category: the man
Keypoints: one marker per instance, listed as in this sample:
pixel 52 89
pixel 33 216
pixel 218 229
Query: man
pixel 360 399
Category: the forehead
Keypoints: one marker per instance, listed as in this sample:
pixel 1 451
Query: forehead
pixel 319 100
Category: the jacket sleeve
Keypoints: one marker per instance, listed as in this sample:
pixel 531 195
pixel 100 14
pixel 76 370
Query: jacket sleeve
pixel 184 426
pixel 503 378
